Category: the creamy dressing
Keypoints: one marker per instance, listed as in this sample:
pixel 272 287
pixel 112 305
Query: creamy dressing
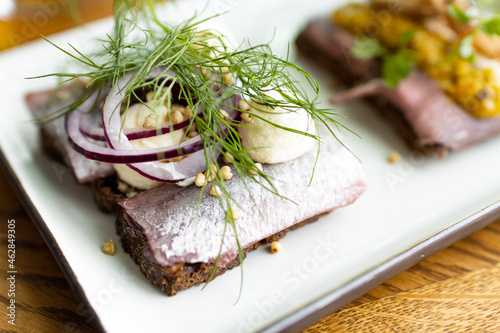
pixel 266 143
pixel 136 116
pixel 262 141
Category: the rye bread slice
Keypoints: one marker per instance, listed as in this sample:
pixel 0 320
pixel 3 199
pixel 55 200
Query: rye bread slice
pixel 171 279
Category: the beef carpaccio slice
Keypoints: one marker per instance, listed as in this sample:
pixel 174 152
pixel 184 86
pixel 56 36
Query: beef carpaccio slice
pixel 418 108
pixel 54 137
pixel 178 231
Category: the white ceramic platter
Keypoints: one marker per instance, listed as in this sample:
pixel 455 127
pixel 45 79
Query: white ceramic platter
pixel 411 209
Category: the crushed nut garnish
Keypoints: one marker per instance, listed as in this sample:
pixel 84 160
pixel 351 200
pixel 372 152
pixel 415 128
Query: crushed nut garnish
pixel 215 191
pixel 131 194
pixel 150 121
pixel 192 134
pixel 177 107
pixel 122 187
pixel 200 180
pixel 224 114
pixel 276 247
pixel 187 112
pixel 226 173
pixel 210 174
pixel 150 96
pixel 243 105
pixel 257 166
pixel 228 158
pixel 177 117
pixel 233 214
pixel 228 79
pixel 109 247
pixel 247 117
pixel 394 157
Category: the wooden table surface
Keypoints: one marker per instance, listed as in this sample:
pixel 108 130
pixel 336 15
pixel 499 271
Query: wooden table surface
pixel 455 290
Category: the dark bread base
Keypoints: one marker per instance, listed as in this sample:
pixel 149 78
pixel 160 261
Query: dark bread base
pixel 181 276
pixel 107 195
pixel 169 279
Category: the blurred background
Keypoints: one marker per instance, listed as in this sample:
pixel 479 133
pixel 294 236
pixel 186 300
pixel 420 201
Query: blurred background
pixel 25 20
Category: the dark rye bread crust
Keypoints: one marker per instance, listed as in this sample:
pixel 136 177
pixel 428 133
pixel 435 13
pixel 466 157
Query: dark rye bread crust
pixel 107 195
pixel 169 279
pixel 180 276
pixel 368 70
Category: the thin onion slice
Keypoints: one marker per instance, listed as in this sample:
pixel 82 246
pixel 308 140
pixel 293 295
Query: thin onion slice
pixel 120 144
pixel 93 151
pixel 92 131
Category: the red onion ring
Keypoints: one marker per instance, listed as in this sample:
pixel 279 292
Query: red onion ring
pixel 97 133
pixel 145 162
pixel 109 155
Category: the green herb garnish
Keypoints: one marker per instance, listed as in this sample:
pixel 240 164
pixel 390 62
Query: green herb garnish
pixel 395 65
pixel 203 63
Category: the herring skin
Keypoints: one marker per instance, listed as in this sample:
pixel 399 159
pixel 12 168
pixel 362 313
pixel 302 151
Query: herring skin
pixel 179 232
pixel 43 103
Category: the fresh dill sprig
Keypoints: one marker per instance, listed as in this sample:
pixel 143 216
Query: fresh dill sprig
pixel 208 70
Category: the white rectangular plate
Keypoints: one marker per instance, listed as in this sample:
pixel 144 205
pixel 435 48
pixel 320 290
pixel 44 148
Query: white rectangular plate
pixel 410 210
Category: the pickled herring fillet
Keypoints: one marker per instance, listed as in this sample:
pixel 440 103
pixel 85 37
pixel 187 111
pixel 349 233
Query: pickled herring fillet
pixel 178 231
pixel 45 102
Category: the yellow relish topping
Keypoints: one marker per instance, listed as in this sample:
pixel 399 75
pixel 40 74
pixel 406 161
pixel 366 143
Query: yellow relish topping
pixel 473 88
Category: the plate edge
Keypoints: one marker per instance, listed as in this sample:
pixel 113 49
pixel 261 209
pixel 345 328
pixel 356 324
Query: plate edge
pixel 327 304
pixel 48 238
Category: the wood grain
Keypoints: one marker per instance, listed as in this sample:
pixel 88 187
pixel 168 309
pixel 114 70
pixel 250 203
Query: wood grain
pixel 44 300
pixel 455 290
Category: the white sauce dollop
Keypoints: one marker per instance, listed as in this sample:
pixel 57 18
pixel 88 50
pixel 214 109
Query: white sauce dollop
pixel 136 116
pixel 266 143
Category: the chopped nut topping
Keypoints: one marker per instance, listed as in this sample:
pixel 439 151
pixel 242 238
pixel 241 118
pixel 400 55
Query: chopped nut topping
pixel 215 191
pixel 228 158
pixel 122 187
pixel 243 105
pixel 233 214
pixel 257 166
pixel 200 180
pixel 109 247
pixel 177 107
pixel 247 117
pixel 276 247
pixel 177 159
pixel 210 174
pixel 131 194
pixel 177 117
pixel 187 112
pixel 394 157
pixel 192 134
pixel 150 96
pixel 228 79
pixel 226 172
pixel 150 121
pixel 224 114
